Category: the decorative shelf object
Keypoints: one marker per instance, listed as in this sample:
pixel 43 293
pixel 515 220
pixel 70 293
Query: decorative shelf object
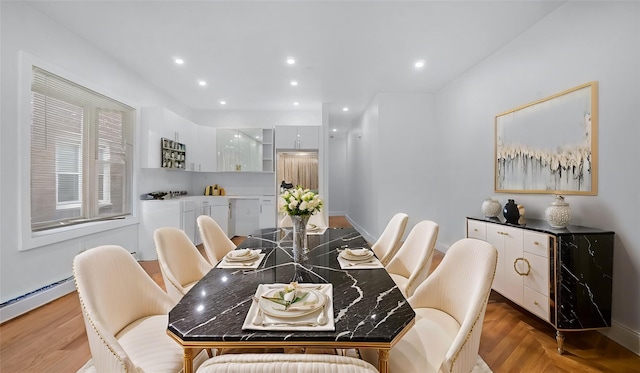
pixel 173 154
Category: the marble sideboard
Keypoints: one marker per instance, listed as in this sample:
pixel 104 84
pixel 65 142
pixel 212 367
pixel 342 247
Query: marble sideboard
pixel 564 276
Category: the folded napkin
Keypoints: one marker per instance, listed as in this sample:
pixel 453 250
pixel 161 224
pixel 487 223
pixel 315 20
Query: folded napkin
pixel 358 252
pixel 372 263
pixel 240 253
pixel 250 264
pixel 311 318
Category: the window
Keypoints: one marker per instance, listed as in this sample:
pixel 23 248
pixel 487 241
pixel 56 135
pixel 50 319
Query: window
pixel 80 154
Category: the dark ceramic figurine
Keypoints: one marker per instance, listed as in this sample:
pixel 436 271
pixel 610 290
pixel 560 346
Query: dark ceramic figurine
pixel 510 212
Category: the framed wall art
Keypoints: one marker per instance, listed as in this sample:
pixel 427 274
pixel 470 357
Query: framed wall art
pixel 550 145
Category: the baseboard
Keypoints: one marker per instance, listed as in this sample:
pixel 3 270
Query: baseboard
pixel 367 236
pixel 36 299
pixel 624 336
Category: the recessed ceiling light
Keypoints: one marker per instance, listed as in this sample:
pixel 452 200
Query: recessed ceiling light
pixel 294 83
pixel 335 130
pixel 202 83
pixel 222 102
pixel 296 103
pixel 178 61
pixel 291 61
pixel 345 109
pixel 419 64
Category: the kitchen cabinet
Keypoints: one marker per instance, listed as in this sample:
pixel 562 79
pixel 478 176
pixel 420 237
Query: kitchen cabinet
pixel 158 123
pixel 218 209
pixel 244 149
pixel 297 137
pixel 156 214
pixel 268 212
pixel 204 154
pixel 563 276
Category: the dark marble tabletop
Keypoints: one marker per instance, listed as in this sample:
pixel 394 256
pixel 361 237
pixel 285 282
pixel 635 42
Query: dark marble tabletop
pixel 368 307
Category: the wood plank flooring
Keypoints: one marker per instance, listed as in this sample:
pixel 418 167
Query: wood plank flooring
pixel 52 338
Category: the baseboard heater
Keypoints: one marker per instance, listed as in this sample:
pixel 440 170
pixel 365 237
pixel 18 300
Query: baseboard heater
pixel 34 299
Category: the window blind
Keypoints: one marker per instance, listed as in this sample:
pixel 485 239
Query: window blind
pixel 80 154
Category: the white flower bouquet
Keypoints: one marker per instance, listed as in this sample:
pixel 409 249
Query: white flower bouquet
pixel 299 201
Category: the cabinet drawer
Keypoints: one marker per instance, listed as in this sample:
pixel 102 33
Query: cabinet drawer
pixel 536 243
pixel 538 277
pixel 476 229
pixel 537 303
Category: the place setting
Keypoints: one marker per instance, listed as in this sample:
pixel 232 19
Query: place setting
pixel 313 229
pixel 242 258
pixel 358 258
pixel 291 307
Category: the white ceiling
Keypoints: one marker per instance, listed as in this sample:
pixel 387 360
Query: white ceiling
pixel 345 51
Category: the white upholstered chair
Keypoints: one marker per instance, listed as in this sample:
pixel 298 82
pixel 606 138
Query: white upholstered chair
pixel 215 241
pixel 285 363
pixel 450 306
pixel 125 314
pixel 411 264
pixel 180 261
pixel 389 241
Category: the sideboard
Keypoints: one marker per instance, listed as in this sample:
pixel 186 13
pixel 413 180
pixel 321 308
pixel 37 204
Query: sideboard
pixel 563 276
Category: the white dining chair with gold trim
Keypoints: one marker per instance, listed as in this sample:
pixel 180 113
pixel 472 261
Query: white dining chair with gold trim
pixel 390 240
pixel 450 306
pixel 181 264
pixel 125 314
pixel 411 264
pixel 285 363
pixel 215 241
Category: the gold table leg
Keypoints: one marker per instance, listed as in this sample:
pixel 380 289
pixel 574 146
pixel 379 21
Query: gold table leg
pixel 188 360
pixel 383 360
pixel 560 340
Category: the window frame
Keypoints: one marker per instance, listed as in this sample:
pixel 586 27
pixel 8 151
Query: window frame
pixel 28 239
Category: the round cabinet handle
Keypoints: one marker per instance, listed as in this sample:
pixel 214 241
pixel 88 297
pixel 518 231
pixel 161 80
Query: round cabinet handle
pixel 535 303
pixel 475 229
pixel 515 268
pixel 536 243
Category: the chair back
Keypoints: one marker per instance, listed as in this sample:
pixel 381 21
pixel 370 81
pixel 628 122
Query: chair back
pixel 285 363
pixel 389 241
pixel 114 291
pixel 413 259
pixel 215 241
pixel 180 261
pixel 460 287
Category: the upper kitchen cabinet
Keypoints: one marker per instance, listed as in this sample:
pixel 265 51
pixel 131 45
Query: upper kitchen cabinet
pixel 204 154
pixel 244 149
pixel 297 137
pixel 158 123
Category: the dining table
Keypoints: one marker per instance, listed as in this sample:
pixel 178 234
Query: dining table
pixel 364 305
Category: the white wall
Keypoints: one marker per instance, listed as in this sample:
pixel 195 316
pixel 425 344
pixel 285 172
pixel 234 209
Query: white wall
pixel 578 43
pixel 338 175
pixel 23 28
pixel 257 118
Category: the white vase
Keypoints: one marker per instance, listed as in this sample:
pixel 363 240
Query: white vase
pixel 491 208
pixel 558 214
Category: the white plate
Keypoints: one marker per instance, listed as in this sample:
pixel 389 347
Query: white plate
pixel 311 303
pixel 235 256
pixel 354 258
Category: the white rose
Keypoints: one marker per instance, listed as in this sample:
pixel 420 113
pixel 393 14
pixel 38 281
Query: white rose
pixel 304 205
pixel 293 204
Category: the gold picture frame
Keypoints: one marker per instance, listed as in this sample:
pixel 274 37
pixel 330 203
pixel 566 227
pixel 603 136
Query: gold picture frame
pixel 550 145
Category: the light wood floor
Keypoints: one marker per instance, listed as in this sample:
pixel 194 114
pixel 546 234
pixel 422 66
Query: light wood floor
pixel 52 339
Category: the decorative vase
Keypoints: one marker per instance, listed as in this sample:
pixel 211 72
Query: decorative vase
pixel 521 211
pixel 491 207
pixel 510 212
pixel 300 249
pixel 558 214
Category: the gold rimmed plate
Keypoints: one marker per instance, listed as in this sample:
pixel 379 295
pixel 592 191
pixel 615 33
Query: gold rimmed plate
pixel 312 302
pixel 241 255
pixel 356 255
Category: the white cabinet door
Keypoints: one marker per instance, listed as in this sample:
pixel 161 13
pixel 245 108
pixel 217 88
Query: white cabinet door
pixel 297 137
pixel 267 212
pixel 515 266
pixel 189 224
pixel 308 137
pixel 220 213
pixel 205 150
pixel 153 215
pixel 495 236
